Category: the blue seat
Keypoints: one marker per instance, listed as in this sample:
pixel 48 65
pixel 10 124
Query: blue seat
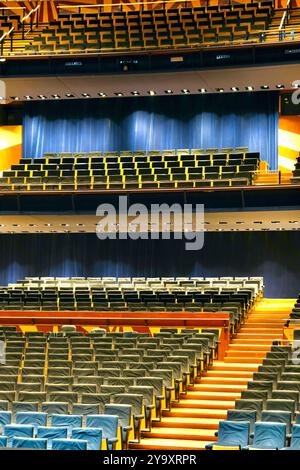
pixel 69 444
pixel 55 408
pixel 36 419
pixel 85 409
pixel 93 436
pixel 69 421
pixel 24 406
pixel 51 432
pixel 274 416
pixel 269 436
pixel 295 440
pixel 5 418
pixel 124 414
pixel 3 441
pixel 17 430
pixel 242 415
pixel 232 434
pixel 109 426
pixel 28 443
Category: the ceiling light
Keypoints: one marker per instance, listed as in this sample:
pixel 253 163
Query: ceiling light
pixel 169 92
pixel 28 97
pixel 69 95
pixel 185 91
pixel 249 88
pixel 16 98
pixel 279 86
pixel 220 90
pixel 135 93
pixel 203 90
pixel 43 97
pixel 55 96
pixel 2 59
pixel 152 92
pixel 234 88
pixel 264 87
pixel 119 93
pixel 296 84
pixel 103 95
pixel 85 95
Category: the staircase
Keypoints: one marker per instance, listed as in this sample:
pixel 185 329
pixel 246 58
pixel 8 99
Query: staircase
pixel 192 423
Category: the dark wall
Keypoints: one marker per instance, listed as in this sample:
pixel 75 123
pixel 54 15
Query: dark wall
pixel 274 255
pixel 145 123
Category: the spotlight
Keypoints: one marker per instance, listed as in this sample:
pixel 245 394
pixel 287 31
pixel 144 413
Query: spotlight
pixel 119 94
pixel 220 90
pixel 85 95
pixel 69 95
pixel 185 91
pixel 135 93
pixel 56 97
pixel 2 59
pixel 203 90
pixel 152 92
pixel 264 87
pixel 102 95
pixel 169 92
pixel 28 97
pixel 249 88
pixel 15 98
pixel 43 97
pixel 234 88
pixel 279 86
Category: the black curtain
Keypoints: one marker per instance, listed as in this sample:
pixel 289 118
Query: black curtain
pixel 274 255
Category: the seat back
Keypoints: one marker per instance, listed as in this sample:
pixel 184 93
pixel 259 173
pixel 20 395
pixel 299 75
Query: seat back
pixel 295 441
pixel 243 415
pixel 29 443
pixel 233 433
pixel 69 444
pixel 93 436
pixel 108 424
pixel 269 435
pixel 273 416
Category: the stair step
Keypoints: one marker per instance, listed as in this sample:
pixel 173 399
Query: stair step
pixel 255 336
pixel 196 413
pixel 211 396
pixel 238 353
pixel 245 360
pixel 249 347
pixel 221 404
pixel 178 433
pixel 169 444
pixel 236 366
pixel 218 387
pixel 230 381
pixel 195 423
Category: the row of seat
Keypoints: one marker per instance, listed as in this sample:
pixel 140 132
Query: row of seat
pixel 151 29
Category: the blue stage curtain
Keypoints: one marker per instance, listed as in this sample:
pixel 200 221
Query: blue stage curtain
pixel 274 255
pixel 148 123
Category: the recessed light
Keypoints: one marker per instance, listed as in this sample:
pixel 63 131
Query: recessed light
pixel 152 92
pixel 185 91
pixel 2 59
pixel 220 90
pixel 103 95
pixel 135 93
pixel 69 95
pixel 169 92
pixel 249 88
pixel 15 98
pixel 43 97
pixel 28 97
pixel 202 90
pixel 119 93
pixel 234 88
pixel 85 95
pixel 279 86
pixel 264 87
pixel 55 96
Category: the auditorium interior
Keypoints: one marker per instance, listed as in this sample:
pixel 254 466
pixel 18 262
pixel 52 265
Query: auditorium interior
pixel 150 225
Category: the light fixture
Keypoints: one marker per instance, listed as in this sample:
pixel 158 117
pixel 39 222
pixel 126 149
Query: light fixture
pixel 2 59
pixel 135 93
pixel 185 91
pixel 55 96
pixel 152 92
pixel 234 88
pixel 169 92
pixel 102 95
pixel 28 97
pixel 264 87
pixel 220 90
pixel 15 98
pixel 42 97
pixel 69 95
pixel 296 84
pixel 85 95
pixel 203 90
pixel 249 88
pixel 119 93
pixel 279 86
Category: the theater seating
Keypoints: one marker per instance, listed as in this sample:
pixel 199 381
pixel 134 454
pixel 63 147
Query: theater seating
pixel 150 29
pixel 272 411
pixel 233 295
pixel 185 169
pixel 102 389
